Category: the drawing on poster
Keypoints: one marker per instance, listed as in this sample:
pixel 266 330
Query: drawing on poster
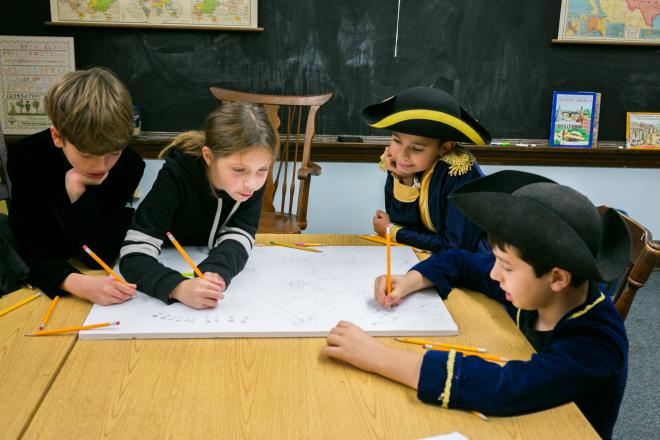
pixel 284 292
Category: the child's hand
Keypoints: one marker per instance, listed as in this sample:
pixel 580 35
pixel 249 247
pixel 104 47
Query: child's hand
pixel 398 292
pixel 198 293
pixel 388 160
pixel 216 279
pixel 402 286
pixel 75 183
pixel 350 343
pixel 381 220
pixel 102 290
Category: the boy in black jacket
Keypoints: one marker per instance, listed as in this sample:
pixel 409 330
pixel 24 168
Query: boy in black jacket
pixel 71 185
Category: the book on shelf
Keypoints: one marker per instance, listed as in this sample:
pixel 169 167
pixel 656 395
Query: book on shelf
pixel 643 130
pixel 574 121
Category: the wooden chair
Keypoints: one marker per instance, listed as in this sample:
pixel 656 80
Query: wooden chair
pixel 4 177
pixel 643 258
pixel 292 157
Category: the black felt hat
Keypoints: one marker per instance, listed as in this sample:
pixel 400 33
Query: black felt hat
pixel 428 112
pixel 549 221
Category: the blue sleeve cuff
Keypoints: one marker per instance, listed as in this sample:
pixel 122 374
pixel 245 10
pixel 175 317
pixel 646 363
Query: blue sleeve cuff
pixel 432 377
pixel 432 274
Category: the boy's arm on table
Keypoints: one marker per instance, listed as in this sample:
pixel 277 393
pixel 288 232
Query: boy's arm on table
pixel 461 268
pixel 561 373
pixel 457 233
pixel 36 228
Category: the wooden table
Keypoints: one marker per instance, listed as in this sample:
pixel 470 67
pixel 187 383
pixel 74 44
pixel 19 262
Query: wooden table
pixel 251 388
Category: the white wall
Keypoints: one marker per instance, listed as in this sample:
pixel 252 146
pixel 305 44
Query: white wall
pixel 344 198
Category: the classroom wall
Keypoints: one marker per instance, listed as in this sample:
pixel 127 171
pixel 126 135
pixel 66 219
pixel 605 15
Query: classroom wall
pixel 496 57
pixel 344 198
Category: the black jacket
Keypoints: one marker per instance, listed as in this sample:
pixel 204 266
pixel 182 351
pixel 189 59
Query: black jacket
pixel 49 229
pixel 181 201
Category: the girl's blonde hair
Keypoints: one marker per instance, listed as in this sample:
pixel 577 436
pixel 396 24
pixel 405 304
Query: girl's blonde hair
pixel 232 128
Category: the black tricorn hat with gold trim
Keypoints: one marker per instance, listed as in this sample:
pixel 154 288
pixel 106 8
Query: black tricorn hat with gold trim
pixel 549 222
pixel 428 112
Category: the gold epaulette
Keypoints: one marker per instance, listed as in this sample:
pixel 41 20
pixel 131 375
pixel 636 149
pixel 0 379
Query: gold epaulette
pixel 459 160
pixel 381 165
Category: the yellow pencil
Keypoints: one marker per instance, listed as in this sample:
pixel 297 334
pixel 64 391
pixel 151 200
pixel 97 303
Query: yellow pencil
pixel 388 243
pixel 480 415
pixel 293 246
pixel 378 239
pixel 20 303
pixel 49 312
pixel 103 265
pixel 185 255
pixel 441 344
pixel 57 331
pixel 309 244
pixel 488 357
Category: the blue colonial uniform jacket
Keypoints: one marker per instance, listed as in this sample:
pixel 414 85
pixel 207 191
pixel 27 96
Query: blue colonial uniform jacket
pixel 423 217
pixel 584 359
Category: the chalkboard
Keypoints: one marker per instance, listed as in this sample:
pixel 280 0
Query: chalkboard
pixel 496 57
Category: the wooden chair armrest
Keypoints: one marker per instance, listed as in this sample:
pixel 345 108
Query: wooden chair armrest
pixel 313 169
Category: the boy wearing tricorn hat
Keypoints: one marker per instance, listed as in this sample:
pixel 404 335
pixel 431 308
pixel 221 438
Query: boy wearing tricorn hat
pixel 425 165
pixel 550 249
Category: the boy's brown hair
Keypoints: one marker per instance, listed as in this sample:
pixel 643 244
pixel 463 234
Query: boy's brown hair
pixel 91 109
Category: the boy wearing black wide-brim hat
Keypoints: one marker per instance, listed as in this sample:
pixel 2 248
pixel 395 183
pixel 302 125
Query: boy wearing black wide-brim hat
pixel 550 249
pixel 425 165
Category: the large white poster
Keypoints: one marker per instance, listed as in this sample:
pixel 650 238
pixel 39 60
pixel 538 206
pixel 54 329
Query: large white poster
pixel 284 292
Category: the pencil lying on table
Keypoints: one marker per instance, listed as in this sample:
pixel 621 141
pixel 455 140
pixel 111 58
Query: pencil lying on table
pixel 378 239
pixel 103 265
pixel 294 246
pixel 49 312
pixel 441 344
pixel 20 303
pixel 488 357
pixel 57 331
pixel 184 255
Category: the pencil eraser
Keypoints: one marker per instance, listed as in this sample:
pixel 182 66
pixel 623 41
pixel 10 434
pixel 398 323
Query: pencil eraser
pixel 349 138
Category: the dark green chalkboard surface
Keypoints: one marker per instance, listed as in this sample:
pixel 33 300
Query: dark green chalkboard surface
pixel 496 57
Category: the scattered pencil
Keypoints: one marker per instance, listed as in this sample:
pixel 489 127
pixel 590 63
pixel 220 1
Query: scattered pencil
pixel 49 312
pixel 293 246
pixel 185 255
pixel 478 414
pixel 488 357
pixel 20 303
pixel 441 344
pixel 378 239
pixel 103 265
pixel 309 244
pixel 388 243
pixel 57 331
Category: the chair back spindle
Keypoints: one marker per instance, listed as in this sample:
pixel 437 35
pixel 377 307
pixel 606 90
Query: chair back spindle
pixel 289 179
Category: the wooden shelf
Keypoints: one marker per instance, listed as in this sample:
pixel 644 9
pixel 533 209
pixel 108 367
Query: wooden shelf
pixel 326 148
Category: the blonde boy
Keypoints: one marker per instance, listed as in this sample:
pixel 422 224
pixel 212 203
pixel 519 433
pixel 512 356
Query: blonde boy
pixel 71 184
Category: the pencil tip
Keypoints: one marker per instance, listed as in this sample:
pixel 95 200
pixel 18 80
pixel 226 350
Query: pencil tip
pixel 41 326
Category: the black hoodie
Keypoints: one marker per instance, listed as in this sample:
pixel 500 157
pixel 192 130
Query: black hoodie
pixel 181 201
